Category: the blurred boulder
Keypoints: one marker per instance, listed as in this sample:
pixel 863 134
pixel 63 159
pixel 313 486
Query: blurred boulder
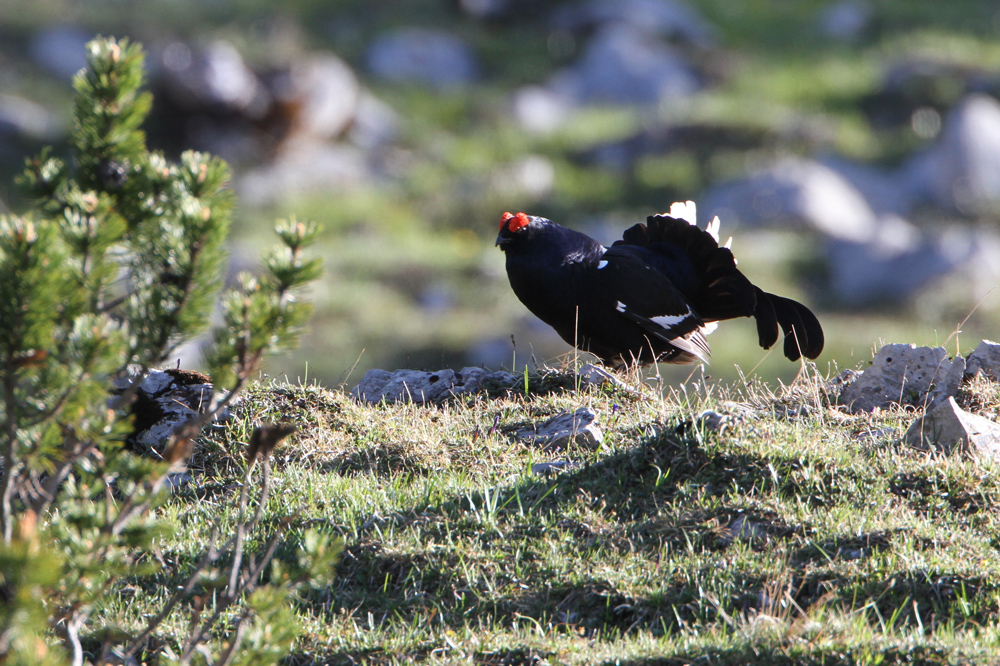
pixel 375 124
pixel 904 375
pixel 961 170
pixel 60 49
pixel 20 117
pixel 625 66
pixel 540 110
pixel 885 191
pixel 286 125
pixel 209 99
pixel 668 18
pixel 845 21
pixel 216 78
pixel 321 96
pixel 794 193
pixel 900 260
pixel 530 176
pixel 430 57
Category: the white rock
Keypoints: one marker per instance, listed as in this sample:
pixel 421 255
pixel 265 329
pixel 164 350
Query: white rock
pixel 595 375
pixel 985 359
pixel 540 110
pixel 946 427
pixel 562 430
pixel 713 420
pixel 885 191
pixel 216 77
pixel 903 374
pixel 961 171
pixel 326 93
pixel 794 193
pixel 420 386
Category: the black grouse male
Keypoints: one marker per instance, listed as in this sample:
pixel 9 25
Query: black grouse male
pixel 652 296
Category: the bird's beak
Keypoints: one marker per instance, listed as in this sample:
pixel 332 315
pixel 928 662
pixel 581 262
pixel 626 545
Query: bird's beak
pixel 501 241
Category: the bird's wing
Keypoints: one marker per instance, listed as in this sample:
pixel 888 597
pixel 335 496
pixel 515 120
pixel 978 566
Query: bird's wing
pixel 692 259
pixel 648 298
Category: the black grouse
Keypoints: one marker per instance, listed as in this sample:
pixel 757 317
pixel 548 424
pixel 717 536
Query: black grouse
pixel 652 296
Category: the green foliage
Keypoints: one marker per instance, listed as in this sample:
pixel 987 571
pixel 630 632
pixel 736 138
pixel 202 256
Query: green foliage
pixel 120 261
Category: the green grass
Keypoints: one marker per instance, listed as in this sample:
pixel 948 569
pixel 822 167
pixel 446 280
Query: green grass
pixel 853 549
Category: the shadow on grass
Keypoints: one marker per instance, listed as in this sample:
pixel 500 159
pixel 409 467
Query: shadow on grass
pixel 644 485
pixel 781 655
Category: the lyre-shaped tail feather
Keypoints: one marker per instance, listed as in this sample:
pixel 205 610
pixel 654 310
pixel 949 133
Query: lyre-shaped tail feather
pixel 803 332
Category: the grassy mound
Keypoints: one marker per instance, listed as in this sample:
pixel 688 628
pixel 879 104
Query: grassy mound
pixel 793 533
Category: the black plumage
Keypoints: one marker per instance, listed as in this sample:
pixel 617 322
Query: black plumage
pixel 651 296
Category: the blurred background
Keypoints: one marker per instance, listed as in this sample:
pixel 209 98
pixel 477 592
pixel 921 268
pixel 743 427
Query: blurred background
pixel 851 147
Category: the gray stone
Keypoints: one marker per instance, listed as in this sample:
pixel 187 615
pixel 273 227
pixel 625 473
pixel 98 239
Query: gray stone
pixel 554 467
pixel 961 171
pixel 846 20
pixel 563 430
pixel 746 530
pixel 435 58
pixel 713 421
pixel 215 77
pixel 165 400
pixel 903 374
pixel 420 386
pixel 946 428
pixel 798 194
pixel 985 359
pixel 624 66
pixel 595 375
pixel 177 481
